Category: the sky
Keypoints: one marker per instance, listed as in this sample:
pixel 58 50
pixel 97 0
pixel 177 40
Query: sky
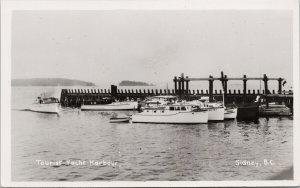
pixel 108 46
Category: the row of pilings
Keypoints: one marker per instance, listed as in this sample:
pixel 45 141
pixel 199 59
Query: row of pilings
pixel 77 97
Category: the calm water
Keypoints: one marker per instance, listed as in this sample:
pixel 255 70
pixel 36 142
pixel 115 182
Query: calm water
pixel 142 151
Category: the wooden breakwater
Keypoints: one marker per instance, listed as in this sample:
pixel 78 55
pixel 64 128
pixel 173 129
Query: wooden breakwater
pixel 76 97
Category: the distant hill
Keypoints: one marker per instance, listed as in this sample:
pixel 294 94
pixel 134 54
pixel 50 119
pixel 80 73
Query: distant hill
pixel 134 83
pixel 49 82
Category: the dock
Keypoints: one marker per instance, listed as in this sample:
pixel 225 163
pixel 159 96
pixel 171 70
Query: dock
pixel 76 97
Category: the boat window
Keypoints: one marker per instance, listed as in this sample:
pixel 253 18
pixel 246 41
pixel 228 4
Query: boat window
pixel 183 108
pixel 147 110
pixel 177 108
pixel 172 108
pixel 162 111
pixel 154 111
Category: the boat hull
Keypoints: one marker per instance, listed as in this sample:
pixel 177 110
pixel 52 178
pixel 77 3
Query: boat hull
pixel 119 120
pixel 248 112
pixel 230 113
pixel 172 117
pixel 111 107
pixel 45 108
pixel 216 114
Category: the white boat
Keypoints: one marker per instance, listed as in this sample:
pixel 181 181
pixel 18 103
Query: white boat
pixel 177 114
pixel 127 105
pixel 45 105
pixel 215 113
pixel 230 112
pixel 215 110
pixel 158 101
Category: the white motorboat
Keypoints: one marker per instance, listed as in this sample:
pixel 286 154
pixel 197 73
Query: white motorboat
pixel 127 105
pixel 177 114
pixel 158 101
pixel 215 110
pixel 230 112
pixel 45 105
pixel 215 113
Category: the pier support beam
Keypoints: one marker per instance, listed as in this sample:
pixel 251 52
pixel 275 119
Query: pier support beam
pixel 280 85
pixel 224 81
pixel 179 87
pixel 245 88
pixel 182 84
pixel 187 85
pixel 114 91
pixel 175 84
pixel 225 88
pixel 211 89
pixel 265 79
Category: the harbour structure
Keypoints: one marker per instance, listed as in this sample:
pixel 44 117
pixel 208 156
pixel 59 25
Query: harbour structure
pixel 76 97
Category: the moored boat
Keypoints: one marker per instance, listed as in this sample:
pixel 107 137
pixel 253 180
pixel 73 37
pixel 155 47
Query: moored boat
pixel 126 105
pixel 248 111
pixel 230 112
pixel 119 119
pixel 175 114
pixel 45 105
pixel 158 101
pixel 274 110
pixel 215 110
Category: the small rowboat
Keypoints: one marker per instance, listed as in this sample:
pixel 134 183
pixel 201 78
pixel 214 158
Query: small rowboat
pixel 119 119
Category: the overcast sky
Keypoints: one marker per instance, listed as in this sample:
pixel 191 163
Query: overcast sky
pixel 151 46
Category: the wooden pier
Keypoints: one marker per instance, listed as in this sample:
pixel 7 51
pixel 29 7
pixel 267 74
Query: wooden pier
pixel 76 97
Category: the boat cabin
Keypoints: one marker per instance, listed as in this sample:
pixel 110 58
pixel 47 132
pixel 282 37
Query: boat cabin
pixel 49 100
pixel 172 108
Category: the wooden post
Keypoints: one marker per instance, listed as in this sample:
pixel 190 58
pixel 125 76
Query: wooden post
pixel 280 85
pixel 245 88
pixel 114 90
pixel 179 87
pixel 187 84
pixel 265 79
pixel 175 84
pixel 225 89
pixel 211 89
pixel 182 85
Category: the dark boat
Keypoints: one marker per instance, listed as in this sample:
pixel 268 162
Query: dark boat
pixel 125 119
pixel 248 111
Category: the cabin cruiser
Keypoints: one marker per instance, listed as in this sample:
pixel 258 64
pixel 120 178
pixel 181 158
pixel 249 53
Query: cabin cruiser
pixel 158 101
pixel 109 105
pixel 216 111
pixel 174 113
pixel 45 105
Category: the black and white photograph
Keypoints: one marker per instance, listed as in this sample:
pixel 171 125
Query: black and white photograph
pixel 140 93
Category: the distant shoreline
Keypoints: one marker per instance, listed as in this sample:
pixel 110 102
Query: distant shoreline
pixel 134 83
pixel 51 82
